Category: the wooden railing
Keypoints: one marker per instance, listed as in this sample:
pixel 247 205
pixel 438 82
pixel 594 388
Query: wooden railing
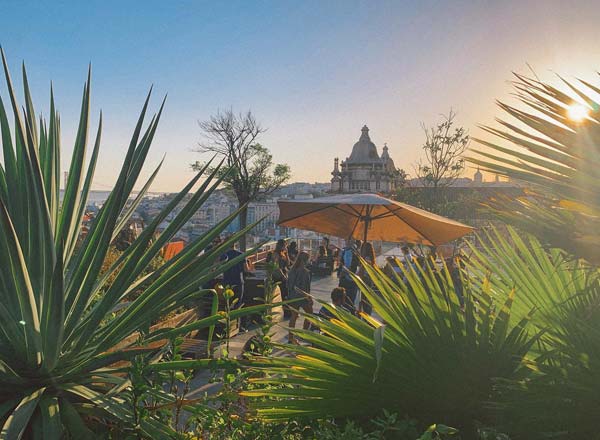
pixel 258 257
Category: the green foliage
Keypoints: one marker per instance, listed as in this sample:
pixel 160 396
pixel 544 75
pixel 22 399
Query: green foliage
pixel 458 204
pixel 63 355
pixel 557 398
pixel 225 423
pixel 257 178
pixel 444 146
pixel 438 432
pixel 557 158
pixel 438 360
pixel 248 171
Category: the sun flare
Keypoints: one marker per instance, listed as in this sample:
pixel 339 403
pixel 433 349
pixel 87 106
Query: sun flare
pixel 577 112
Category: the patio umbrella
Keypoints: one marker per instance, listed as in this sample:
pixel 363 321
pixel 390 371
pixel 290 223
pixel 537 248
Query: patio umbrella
pixel 369 216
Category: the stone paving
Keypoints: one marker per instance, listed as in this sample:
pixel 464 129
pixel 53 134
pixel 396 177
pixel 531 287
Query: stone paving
pixel 321 288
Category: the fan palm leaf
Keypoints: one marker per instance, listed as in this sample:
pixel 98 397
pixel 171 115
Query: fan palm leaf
pixel 434 358
pixel 557 398
pixel 556 158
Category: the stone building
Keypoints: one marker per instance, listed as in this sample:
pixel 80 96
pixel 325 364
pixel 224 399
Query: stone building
pixel 365 170
pixel 478 177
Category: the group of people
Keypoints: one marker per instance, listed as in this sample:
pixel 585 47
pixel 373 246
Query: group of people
pixel 291 269
pixel 349 265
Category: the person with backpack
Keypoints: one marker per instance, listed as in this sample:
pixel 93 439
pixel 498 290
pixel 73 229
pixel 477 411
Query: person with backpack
pixel 349 265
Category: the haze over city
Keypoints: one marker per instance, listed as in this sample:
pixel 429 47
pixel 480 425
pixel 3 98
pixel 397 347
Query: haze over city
pixel 398 236
pixel 312 72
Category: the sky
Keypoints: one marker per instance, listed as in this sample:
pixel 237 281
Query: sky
pixel 313 72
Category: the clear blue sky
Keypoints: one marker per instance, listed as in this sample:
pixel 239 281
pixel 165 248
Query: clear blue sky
pixel 312 71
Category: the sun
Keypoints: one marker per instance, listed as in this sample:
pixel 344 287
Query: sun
pixel 577 112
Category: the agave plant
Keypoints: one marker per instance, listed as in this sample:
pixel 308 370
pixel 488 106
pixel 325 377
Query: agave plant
pixel 557 158
pixel 433 359
pixel 59 352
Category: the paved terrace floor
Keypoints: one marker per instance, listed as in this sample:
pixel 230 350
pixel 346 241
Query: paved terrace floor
pixel 321 288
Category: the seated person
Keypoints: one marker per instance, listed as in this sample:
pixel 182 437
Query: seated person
pixel 392 268
pixel 339 300
pixel 320 260
pixel 326 246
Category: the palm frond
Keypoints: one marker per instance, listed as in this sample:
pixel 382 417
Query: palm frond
pixel 436 360
pixel 556 158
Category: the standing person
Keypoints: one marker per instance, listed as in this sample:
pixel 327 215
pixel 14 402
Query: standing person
pixel 292 251
pixel 321 255
pixel 406 255
pixel 281 261
pixel 349 265
pixel 299 287
pixel 233 278
pixel 325 244
pixel 367 252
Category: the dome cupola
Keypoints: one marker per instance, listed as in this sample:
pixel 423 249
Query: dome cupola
pixel 364 151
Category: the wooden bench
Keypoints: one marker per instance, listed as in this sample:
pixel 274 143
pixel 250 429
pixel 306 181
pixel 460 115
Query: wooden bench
pixel 195 348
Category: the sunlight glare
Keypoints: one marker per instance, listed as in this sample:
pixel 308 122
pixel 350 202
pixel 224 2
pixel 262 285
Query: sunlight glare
pixel 577 112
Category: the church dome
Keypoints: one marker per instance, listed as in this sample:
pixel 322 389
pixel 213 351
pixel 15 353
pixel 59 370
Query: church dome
pixel 364 151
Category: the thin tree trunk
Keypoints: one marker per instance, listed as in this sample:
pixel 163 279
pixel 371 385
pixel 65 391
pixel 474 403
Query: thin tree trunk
pixel 243 217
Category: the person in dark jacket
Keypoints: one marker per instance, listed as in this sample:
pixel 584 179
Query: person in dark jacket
pixel 281 261
pixel 367 252
pixel 233 277
pixel 298 284
pixel 292 251
pixel 339 300
pixel 349 264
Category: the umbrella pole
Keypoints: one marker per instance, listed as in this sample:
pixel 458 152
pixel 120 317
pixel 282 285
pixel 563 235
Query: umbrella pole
pixel 367 220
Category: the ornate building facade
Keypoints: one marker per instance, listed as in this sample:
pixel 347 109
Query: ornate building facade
pixel 364 170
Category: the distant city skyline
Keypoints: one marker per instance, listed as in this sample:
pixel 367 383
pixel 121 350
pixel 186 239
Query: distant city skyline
pixel 312 72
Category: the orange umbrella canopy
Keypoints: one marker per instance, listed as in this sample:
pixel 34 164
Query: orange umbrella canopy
pixel 369 216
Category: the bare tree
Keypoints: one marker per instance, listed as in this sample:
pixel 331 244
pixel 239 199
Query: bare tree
pixel 249 169
pixel 444 147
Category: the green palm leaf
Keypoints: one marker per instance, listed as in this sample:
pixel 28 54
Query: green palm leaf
pixel 436 359
pixel 556 158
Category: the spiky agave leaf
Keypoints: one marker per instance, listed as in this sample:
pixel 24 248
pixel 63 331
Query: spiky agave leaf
pixel 436 359
pixel 557 158
pixel 56 345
